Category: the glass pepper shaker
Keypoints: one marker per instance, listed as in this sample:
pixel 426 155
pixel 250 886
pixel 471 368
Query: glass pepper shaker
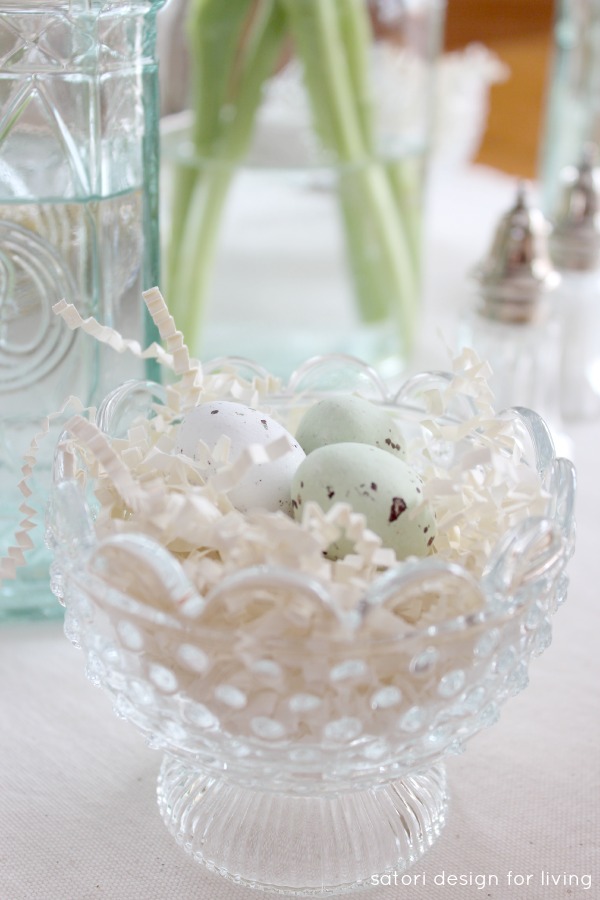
pixel 575 250
pixel 511 318
pixel 78 220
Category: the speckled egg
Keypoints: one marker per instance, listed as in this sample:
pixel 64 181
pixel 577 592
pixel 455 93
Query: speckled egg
pixel 266 485
pixel 386 490
pixel 349 419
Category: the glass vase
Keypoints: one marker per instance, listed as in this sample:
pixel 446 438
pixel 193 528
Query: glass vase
pixel 78 220
pixel 573 97
pixel 295 181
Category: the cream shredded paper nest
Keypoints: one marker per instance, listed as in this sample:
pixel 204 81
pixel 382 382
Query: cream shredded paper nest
pixel 141 486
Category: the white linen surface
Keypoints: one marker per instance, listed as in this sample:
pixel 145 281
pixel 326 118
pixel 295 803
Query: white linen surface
pixel 78 817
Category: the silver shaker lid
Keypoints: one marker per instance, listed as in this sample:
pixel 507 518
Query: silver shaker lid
pixel 575 241
pixel 517 275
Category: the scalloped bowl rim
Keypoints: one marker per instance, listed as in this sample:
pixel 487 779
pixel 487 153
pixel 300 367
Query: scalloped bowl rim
pixel 489 616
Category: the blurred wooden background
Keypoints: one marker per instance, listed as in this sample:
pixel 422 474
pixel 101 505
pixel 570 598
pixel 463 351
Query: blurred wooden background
pixel 520 33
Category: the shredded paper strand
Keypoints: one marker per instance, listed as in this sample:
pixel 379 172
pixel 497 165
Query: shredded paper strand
pixel 143 488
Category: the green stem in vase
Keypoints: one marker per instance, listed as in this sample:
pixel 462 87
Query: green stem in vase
pixel 333 40
pixel 234 46
pixel 214 33
pixel 356 37
pixel 228 91
pixel 405 175
pixel 383 268
pixel 192 260
pixel 406 181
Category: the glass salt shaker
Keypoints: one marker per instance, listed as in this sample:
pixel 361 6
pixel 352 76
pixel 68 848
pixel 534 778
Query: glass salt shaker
pixel 511 319
pixel 78 220
pixel 575 250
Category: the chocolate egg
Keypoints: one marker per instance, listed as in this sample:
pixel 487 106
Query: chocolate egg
pixel 386 490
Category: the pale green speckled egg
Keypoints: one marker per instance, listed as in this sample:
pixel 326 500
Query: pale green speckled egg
pixel 375 483
pixel 349 419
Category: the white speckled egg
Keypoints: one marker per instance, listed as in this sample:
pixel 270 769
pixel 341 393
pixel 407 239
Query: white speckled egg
pixel 266 485
pixel 337 420
pixel 380 486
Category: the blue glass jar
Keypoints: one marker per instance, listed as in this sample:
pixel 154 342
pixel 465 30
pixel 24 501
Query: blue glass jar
pixel 573 97
pixel 78 219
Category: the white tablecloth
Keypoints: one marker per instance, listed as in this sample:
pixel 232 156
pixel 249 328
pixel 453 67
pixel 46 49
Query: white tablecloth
pixel 78 817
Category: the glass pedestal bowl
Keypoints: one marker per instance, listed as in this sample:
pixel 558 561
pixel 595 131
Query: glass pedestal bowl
pixel 309 764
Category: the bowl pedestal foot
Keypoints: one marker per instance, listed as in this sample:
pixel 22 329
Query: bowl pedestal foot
pixel 302 845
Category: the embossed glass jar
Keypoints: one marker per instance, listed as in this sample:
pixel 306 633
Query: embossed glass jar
pixel 78 219
pixel 307 766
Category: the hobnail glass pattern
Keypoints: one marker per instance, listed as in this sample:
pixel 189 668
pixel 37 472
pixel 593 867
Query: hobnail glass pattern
pixel 263 780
